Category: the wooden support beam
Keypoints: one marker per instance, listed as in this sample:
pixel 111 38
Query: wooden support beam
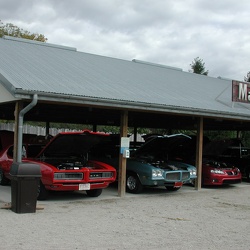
pixel 94 127
pixel 199 146
pixel 47 128
pixel 122 160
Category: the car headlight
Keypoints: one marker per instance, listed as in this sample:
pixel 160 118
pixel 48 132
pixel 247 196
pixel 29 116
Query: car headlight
pixel 157 173
pixel 192 172
pixel 216 171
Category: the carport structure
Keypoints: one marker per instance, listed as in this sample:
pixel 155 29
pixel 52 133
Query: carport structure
pixel 68 86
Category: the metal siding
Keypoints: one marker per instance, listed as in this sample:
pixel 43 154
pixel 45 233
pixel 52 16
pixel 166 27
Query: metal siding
pixel 54 69
pixel 5 95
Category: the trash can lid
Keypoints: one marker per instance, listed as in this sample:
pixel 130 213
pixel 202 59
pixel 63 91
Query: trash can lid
pixel 20 169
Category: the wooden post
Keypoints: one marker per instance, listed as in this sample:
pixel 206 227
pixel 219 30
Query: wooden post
pixel 239 134
pixel 94 127
pixel 135 137
pixel 122 160
pixel 18 108
pixel 47 129
pixel 199 146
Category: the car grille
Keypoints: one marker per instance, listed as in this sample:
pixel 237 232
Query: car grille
pixel 232 173
pixel 98 175
pixel 185 176
pixel 68 176
pixel 173 176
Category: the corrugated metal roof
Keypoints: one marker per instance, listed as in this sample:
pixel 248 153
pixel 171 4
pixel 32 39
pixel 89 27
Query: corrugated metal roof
pixel 57 71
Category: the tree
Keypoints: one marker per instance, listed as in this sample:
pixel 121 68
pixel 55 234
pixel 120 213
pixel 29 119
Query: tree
pixel 10 29
pixel 247 78
pixel 198 66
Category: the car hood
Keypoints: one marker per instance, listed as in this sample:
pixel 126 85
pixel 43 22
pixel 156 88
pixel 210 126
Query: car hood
pixel 72 144
pixel 216 164
pixel 162 145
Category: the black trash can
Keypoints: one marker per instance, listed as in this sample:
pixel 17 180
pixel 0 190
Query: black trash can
pixel 25 178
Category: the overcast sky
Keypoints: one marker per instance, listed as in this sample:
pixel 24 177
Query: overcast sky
pixel 169 32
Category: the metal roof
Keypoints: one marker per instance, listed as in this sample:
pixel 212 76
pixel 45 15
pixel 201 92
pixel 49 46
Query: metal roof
pixel 62 74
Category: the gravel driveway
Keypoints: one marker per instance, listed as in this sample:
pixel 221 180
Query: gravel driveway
pixel 213 218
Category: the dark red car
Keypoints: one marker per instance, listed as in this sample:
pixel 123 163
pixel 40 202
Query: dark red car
pixel 231 151
pixel 64 164
pixel 219 173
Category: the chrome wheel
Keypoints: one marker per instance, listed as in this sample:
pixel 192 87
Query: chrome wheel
pixel 133 184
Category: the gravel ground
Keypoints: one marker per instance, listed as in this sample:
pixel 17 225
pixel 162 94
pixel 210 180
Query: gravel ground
pixel 212 218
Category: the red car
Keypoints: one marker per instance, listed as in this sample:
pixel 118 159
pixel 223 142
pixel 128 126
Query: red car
pixel 219 173
pixel 64 164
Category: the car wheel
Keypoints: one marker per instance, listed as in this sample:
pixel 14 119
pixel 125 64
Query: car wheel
pixel 172 188
pixel 94 192
pixel 193 182
pixel 3 180
pixel 42 192
pixel 133 184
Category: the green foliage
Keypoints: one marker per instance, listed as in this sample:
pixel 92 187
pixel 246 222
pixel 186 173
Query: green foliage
pixel 70 126
pixel 247 78
pixel 10 29
pixel 246 138
pixel 218 134
pixel 198 66
pixel 109 129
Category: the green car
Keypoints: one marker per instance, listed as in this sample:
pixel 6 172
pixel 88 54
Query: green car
pixel 146 167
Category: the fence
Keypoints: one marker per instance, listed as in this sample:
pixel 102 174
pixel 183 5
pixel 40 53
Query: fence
pixel 37 130
pixel 29 129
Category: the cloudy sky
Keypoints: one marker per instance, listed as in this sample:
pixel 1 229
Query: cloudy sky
pixel 169 32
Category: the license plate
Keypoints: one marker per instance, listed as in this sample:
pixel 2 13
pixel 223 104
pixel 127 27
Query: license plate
pixel 85 186
pixel 178 184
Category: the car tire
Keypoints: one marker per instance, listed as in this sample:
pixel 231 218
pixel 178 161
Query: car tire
pixel 133 184
pixel 3 180
pixel 193 182
pixel 42 192
pixel 172 188
pixel 94 192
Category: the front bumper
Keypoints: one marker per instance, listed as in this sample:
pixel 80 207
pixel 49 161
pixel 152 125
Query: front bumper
pixel 76 186
pixel 170 178
pixel 217 180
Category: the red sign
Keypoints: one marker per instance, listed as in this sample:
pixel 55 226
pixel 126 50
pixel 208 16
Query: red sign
pixel 241 92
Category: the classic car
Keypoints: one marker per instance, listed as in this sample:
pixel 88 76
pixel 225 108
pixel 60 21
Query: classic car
pixel 64 164
pixel 147 166
pixel 178 152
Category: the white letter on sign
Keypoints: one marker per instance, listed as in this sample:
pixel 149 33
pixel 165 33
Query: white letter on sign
pixel 242 91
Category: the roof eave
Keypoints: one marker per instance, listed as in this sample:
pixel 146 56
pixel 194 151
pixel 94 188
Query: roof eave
pixel 129 105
